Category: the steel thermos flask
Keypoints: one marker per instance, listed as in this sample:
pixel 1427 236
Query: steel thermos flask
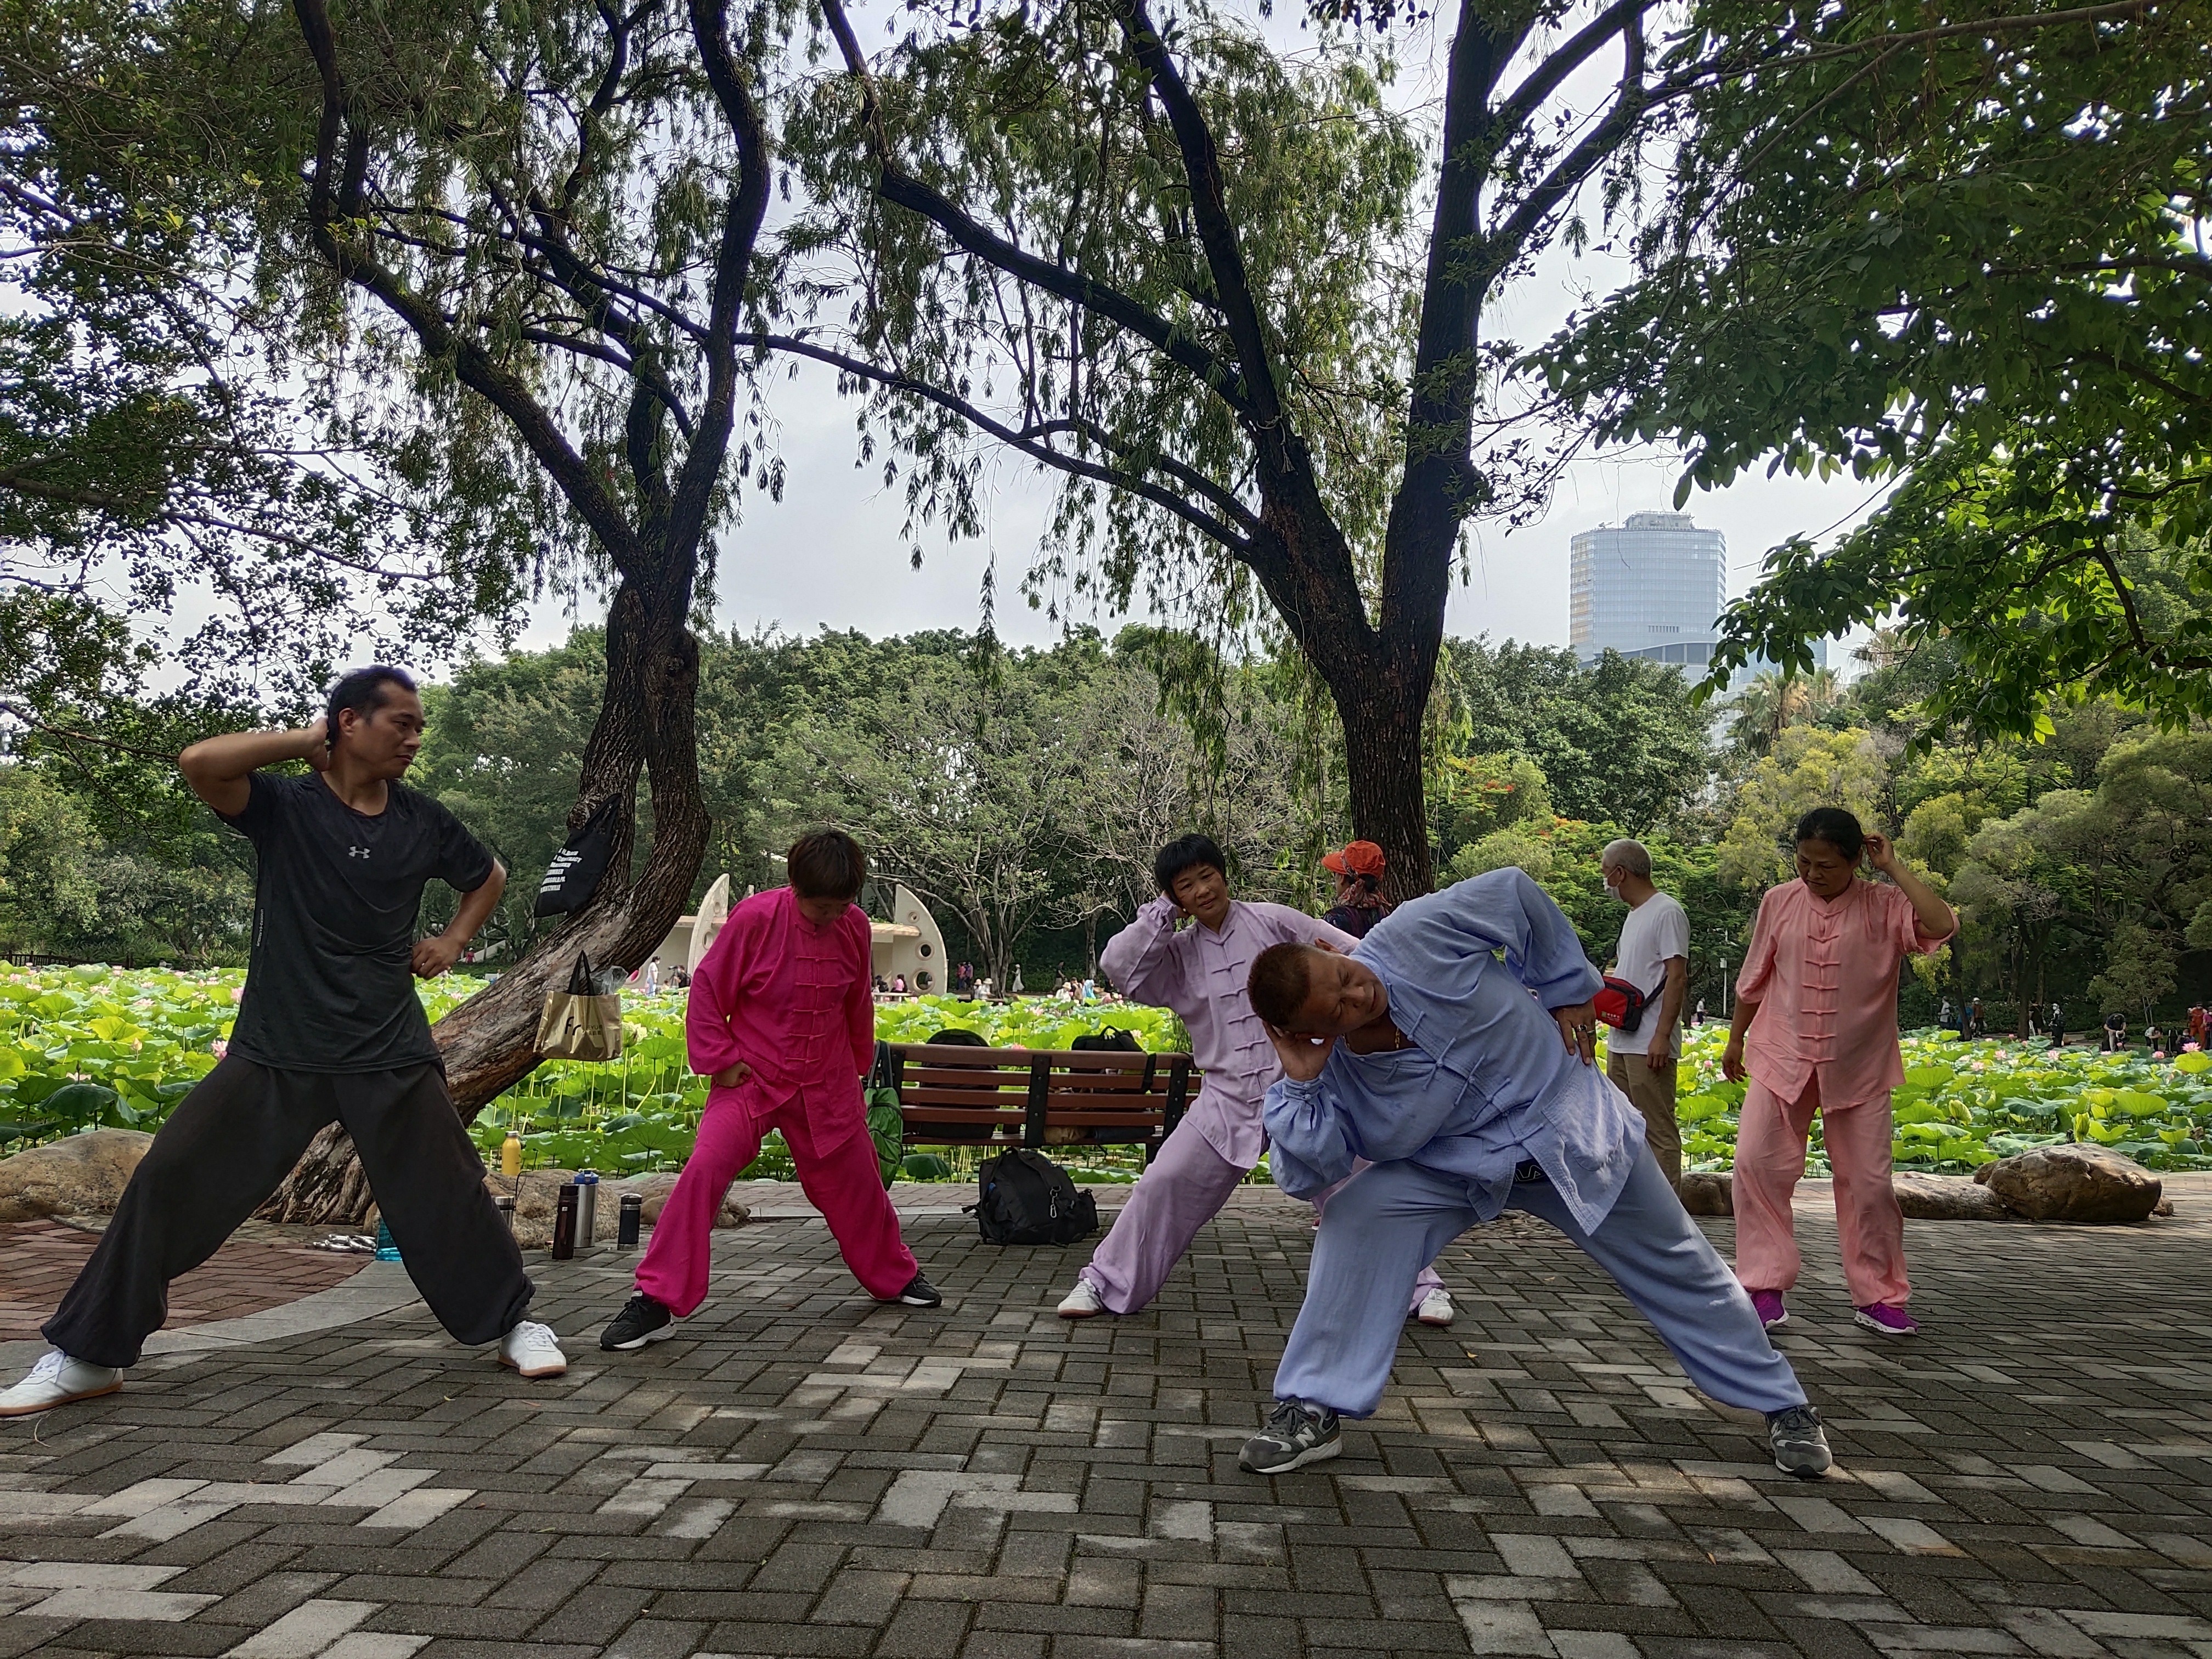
pixel 626 1227
pixel 587 1208
pixel 564 1222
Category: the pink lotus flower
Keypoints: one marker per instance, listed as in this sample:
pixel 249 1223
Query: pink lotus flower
pixel 2158 1054
pixel 2191 1048
pixel 219 1047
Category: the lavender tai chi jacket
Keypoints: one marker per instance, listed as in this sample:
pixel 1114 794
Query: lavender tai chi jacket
pixel 1201 975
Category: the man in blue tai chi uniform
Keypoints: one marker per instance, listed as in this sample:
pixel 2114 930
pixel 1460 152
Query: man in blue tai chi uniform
pixel 1468 1082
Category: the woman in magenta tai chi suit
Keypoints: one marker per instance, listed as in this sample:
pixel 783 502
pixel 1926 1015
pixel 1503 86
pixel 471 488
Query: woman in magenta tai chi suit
pixel 781 1017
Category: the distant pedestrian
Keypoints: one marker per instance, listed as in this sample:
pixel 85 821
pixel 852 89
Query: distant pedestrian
pixel 1943 1014
pixel 1359 869
pixel 1698 1019
pixel 1976 1026
pixel 1653 956
pixel 2058 1026
pixel 2116 1032
pixel 1815 1030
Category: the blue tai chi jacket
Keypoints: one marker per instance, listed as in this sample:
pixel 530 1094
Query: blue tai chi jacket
pixel 1487 1084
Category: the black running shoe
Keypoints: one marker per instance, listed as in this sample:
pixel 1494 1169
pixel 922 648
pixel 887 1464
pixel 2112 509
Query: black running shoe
pixel 642 1321
pixel 920 1293
pixel 1297 1434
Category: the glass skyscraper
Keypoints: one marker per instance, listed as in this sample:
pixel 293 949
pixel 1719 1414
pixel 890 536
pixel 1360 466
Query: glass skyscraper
pixel 1650 588
pixel 1653 587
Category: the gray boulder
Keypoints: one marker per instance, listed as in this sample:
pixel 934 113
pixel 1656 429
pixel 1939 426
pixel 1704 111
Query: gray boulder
pixel 2080 1183
pixel 1946 1198
pixel 77 1174
pixel 1924 1197
pixel 1709 1191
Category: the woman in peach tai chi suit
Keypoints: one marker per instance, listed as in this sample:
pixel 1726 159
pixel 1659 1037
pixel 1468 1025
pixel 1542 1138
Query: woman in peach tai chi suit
pixel 1816 1031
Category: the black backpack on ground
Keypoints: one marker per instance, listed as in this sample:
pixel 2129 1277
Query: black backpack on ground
pixel 1024 1198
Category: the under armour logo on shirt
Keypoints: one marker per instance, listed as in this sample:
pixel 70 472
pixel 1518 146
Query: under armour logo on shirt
pixel 356 851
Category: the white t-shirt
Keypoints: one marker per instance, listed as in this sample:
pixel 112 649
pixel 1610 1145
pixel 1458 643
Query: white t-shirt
pixel 1656 929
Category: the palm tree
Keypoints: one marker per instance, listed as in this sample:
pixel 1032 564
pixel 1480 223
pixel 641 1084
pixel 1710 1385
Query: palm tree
pixel 1772 702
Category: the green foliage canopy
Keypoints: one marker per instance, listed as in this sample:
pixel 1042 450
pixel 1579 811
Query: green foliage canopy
pixel 1967 257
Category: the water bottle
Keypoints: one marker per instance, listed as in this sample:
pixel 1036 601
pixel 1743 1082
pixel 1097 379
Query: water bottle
pixel 587 1208
pixel 564 1222
pixel 385 1249
pixel 626 1226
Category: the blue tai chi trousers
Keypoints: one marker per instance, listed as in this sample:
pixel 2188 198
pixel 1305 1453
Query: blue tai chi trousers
pixel 1391 1220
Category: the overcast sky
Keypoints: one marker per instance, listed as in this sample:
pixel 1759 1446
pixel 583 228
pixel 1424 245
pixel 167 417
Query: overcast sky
pixel 829 554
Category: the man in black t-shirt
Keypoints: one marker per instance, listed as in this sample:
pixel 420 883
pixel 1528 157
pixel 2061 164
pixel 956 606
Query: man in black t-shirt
pixel 329 1028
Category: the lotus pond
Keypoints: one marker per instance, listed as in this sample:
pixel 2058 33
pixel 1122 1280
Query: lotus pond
pixel 82 1048
pixel 88 1047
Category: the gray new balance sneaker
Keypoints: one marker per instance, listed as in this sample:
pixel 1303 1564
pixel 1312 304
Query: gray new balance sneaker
pixel 1800 1447
pixel 1297 1434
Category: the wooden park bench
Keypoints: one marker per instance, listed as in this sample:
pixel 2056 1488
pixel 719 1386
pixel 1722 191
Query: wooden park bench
pixel 956 1096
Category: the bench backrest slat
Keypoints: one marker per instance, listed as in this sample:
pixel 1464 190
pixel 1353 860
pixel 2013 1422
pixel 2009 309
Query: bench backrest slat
pixel 1023 1095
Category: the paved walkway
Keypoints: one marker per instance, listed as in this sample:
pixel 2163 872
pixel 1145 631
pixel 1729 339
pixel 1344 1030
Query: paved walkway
pixel 261 1267
pixel 801 1472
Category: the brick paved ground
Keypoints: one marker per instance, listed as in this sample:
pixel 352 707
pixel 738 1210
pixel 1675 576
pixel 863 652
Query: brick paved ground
pixel 802 1472
pixel 262 1268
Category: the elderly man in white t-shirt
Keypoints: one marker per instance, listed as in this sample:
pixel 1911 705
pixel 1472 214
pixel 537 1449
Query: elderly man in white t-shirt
pixel 1653 956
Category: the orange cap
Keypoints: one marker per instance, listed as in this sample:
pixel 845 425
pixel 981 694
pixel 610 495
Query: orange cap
pixel 1359 858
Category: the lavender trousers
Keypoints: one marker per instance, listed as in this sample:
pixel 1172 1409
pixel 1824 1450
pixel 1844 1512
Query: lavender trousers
pixel 1181 1190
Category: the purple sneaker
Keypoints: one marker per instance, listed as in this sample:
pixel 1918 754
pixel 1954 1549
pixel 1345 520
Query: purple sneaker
pixel 1890 1321
pixel 1771 1310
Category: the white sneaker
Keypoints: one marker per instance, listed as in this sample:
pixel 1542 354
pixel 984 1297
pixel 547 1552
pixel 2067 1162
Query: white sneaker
pixel 57 1380
pixel 1084 1302
pixel 533 1350
pixel 1436 1308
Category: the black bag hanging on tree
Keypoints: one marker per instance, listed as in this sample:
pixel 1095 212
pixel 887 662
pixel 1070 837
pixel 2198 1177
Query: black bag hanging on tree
pixel 573 875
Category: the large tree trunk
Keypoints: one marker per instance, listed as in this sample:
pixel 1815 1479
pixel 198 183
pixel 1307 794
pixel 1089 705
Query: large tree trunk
pixel 646 720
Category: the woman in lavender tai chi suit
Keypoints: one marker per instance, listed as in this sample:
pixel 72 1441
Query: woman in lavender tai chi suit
pixel 1199 973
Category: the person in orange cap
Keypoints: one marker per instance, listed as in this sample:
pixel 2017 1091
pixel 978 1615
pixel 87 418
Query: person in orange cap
pixel 1359 902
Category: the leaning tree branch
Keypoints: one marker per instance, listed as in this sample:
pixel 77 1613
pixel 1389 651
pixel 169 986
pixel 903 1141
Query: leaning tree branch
pixel 747 208
pixel 1217 236
pixel 902 190
pixel 1514 113
pixel 1246 548
pixel 475 365
pixel 1631 99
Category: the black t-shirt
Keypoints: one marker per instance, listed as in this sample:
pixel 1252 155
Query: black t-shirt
pixel 328 987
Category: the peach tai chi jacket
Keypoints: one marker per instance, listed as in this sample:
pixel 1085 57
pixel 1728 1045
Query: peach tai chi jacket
pixel 1824 973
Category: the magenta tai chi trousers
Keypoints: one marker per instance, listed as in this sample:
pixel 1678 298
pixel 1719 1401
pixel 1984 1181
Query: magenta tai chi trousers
pixel 840 1179
pixel 1180 1191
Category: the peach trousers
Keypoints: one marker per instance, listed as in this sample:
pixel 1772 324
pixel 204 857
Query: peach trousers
pixel 1769 1159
